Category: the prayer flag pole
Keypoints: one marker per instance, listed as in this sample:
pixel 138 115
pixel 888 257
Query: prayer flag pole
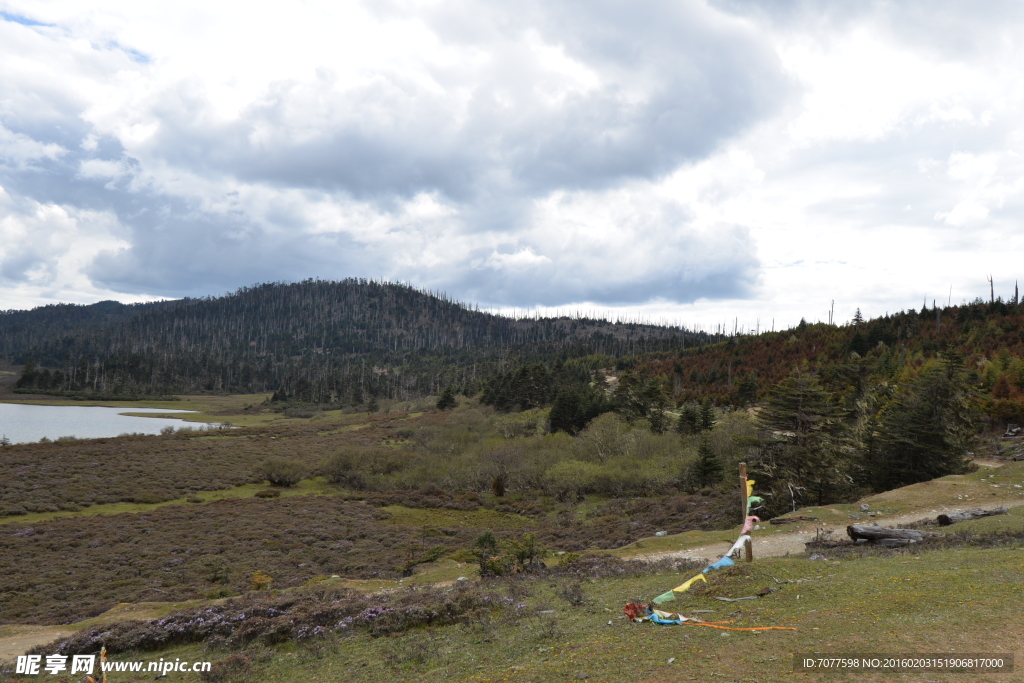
pixel 748 546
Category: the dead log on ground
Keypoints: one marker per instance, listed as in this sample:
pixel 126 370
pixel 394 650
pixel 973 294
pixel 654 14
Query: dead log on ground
pixel 876 533
pixel 954 517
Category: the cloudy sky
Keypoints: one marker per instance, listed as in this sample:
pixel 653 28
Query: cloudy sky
pixel 689 161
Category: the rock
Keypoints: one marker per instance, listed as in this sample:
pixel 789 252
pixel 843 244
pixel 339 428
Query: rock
pixel 818 556
pixel 671 659
pixel 661 533
pixel 462 578
pixel 864 507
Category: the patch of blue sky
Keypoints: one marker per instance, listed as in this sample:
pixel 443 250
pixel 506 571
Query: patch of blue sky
pixel 18 19
pixel 134 55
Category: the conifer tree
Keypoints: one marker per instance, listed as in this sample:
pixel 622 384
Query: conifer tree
pixel 925 432
pixel 707 415
pixel 802 456
pixel 447 399
pixel 689 420
pixel 707 470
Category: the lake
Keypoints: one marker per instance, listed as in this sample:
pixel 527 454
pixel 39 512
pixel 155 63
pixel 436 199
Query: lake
pixel 27 423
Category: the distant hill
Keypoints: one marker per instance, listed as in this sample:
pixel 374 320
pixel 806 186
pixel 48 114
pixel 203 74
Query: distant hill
pixel 23 330
pixel 318 340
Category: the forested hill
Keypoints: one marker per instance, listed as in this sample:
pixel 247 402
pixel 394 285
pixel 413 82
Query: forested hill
pixel 23 330
pixel 986 336
pixel 320 341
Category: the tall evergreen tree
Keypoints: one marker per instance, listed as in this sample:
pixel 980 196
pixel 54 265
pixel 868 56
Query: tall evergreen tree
pixel 689 420
pixel 925 432
pixel 574 407
pixel 746 392
pixel 707 470
pixel 707 415
pixel 447 399
pixel 802 455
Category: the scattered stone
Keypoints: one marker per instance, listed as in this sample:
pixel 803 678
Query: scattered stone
pixel 818 556
pixel 864 507
pixel 671 659
pixel 661 533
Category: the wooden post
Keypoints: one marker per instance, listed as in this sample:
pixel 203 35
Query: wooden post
pixel 748 547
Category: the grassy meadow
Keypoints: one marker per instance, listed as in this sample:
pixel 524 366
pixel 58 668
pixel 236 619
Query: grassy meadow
pixel 115 540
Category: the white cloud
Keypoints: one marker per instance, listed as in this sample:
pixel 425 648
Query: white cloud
pixel 681 160
pixel 45 249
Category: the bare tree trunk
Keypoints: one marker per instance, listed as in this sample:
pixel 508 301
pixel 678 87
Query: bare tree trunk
pixel 953 518
pixel 876 533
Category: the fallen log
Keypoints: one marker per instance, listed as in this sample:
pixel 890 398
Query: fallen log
pixel 877 533
pixel 954 517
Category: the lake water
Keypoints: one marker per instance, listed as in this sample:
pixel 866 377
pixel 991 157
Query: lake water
pixel 27 423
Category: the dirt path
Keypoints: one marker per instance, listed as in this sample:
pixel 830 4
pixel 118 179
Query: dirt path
pixel 17 640
pixel 792 540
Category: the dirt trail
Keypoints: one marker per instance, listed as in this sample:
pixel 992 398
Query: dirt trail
pixel 792 540
pixel 17 640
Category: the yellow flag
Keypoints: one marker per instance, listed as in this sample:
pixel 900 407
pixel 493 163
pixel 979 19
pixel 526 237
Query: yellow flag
pixel 750 487
pixel 686 586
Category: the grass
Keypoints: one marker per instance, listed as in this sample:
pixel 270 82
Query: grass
pixel 945 601
pixel 986 486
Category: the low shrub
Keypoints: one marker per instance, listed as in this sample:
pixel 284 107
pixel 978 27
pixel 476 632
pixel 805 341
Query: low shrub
pixel 281 471
pixel 299 616
pixel 572 592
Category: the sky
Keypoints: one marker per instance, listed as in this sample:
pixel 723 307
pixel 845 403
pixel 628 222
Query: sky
pixel 705 163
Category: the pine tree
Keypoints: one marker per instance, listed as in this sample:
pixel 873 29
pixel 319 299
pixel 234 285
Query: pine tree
pixel 689 420
pixel 707 470
pixel 803 453
pixel 746 393
pixel 707 415
pixel 575 406
pixel 567 411
pixel 447 399
pixel 926 432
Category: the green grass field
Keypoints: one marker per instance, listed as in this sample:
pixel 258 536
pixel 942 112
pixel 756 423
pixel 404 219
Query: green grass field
pixel 958 600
